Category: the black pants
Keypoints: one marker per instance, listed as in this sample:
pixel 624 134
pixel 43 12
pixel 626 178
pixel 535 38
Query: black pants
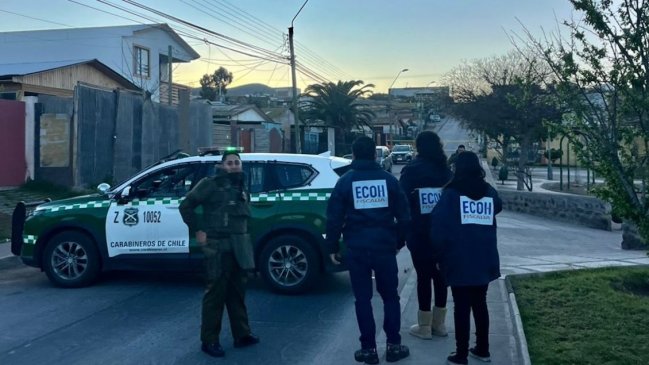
pixel 384 264
pixel 469 299
pixel 426 269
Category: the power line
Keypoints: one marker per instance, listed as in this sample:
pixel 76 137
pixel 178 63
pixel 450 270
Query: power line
pixel 249 30
pixel 319 62
pixel 202 29
pixel 34 18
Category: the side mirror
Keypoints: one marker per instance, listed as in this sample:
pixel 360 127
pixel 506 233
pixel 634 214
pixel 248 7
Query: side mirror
pixel 103 188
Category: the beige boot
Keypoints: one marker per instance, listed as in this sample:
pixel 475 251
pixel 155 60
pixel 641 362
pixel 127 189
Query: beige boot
pixel 438 323
pixel 422 328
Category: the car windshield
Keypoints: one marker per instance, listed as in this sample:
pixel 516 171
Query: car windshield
pixel 401 149
pixel 379 152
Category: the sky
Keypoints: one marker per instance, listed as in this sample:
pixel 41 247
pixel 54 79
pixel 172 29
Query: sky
pixel 369 40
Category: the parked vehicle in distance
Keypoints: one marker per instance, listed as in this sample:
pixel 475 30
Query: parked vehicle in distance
pixel 402 153
pixel 383 158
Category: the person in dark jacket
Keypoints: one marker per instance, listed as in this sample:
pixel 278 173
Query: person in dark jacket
pixel 451 160
pixel 463 231
pixel 363 207
pixel 422 181
pixel 222 233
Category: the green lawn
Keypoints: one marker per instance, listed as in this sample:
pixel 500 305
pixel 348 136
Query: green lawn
pixel 585 317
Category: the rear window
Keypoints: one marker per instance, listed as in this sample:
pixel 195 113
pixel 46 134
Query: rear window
pixel 290 176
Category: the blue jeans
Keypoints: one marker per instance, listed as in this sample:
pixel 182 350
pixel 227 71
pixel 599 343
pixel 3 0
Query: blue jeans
pixel 361 263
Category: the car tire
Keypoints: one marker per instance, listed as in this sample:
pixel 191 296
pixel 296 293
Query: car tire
pixel 71 260
pixel 289 264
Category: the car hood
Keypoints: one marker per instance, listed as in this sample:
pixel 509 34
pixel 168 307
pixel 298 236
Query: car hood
pixel 77 200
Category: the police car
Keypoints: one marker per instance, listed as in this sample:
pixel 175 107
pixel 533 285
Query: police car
pixel 137 226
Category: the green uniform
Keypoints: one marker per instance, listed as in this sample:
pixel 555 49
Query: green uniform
pixel 228 252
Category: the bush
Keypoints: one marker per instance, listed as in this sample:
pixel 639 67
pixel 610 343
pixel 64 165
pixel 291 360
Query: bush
pixel 554 154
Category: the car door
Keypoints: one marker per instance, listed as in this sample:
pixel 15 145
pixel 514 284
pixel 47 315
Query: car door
pixel 145 225
pixel 264 195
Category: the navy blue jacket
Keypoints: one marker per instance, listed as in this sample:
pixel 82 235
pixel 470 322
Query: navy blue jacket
pixel 363 207
pixel 468 253
pixel 421 173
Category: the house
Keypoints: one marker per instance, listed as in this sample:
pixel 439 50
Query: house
pixel 143 54
pixel 245 126
pixel 19 80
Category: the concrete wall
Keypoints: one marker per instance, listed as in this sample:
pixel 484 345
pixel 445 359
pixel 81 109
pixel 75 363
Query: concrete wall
pixel 582 210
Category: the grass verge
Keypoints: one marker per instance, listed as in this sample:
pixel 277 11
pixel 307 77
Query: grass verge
pixel 598 316
pixel 30 191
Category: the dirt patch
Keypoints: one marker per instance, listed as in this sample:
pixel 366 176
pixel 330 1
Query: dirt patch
pixel 5 226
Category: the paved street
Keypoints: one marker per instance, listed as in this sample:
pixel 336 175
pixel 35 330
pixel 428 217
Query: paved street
pixel 150 318
pixel 153 318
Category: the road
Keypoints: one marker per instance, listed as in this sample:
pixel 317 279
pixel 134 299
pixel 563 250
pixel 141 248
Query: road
pixel 452 135
pixel 154 318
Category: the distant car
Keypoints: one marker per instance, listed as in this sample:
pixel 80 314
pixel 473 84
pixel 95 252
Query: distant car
pixel 383 158
pixel 402 153
pixel 137 226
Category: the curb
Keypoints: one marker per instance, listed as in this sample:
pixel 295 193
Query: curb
pixel 518 324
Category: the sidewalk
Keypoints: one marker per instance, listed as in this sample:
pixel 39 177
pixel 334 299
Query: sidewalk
pixel 526 244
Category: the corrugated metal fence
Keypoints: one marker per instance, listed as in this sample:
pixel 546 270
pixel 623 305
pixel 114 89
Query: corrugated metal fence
pixel 115 134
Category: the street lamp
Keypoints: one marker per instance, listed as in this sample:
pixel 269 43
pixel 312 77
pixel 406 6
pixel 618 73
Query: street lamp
pixel 395 79
pixel 390 115
pixel 298 148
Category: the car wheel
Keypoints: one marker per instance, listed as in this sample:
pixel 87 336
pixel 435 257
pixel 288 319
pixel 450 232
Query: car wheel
pixel 71 260
pixel 289 264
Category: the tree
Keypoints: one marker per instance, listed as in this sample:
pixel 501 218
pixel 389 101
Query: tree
pixel 215 84
pixel 336 105
pixel 602 70
pixel 506 99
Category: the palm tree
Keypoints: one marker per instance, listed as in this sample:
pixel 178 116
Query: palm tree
pixel 337 106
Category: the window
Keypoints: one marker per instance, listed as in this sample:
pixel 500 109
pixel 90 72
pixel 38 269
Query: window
pixel 172 182
pixel 256 177
pixel 290 175
pixel 142 60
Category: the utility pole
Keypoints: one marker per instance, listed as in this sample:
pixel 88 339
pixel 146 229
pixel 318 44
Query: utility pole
pixel 298 147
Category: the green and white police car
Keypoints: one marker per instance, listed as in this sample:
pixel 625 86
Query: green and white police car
pixel 137 225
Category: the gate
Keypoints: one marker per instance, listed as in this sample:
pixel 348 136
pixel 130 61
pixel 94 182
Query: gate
pixel 12 143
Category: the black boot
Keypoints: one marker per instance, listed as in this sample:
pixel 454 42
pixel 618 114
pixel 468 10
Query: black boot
pixel 213 349
pixel 247 340
pixel 368 356
pixel 396 352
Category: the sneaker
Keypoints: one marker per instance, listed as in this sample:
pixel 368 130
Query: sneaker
pixel 482 356
pixel 396 352
pixel 456 359
pixel 213 349
pixel 368 356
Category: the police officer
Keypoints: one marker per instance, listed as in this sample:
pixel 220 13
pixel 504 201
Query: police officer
pixel 363 207
pixel 463 229
pixel 222 233
pixel 422 181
